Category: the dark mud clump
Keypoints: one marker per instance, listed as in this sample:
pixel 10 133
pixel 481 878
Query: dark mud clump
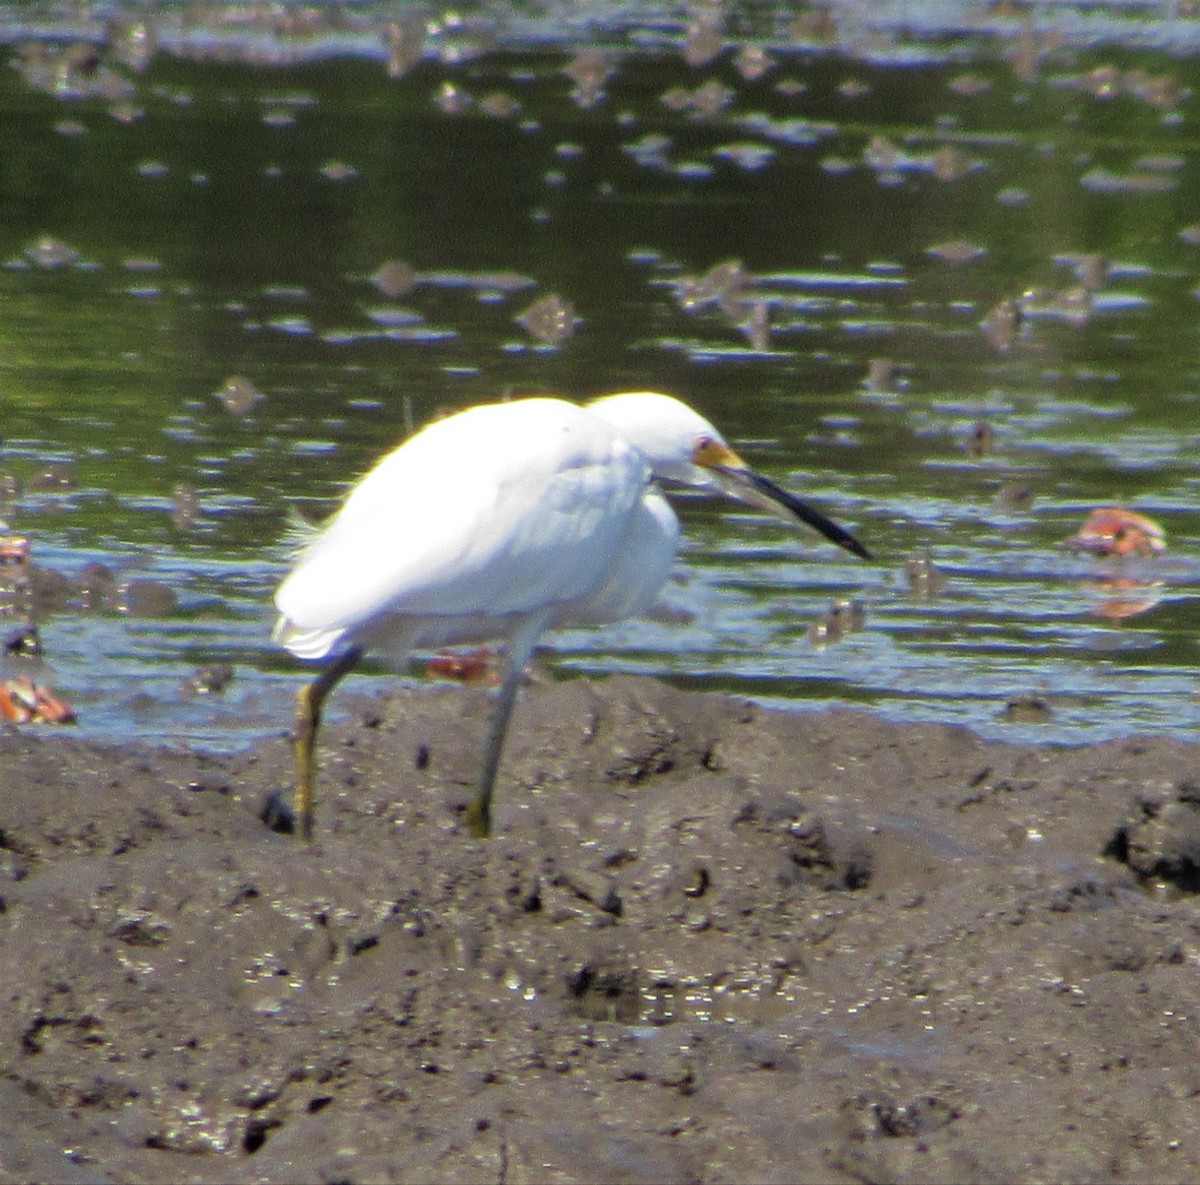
pixel 707 943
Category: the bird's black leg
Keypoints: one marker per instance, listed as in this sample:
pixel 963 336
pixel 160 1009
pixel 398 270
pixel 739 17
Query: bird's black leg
pixel 309 700
pixel 520 647
pixel 479 812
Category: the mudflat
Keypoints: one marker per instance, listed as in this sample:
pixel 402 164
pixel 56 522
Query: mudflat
pixel 708 942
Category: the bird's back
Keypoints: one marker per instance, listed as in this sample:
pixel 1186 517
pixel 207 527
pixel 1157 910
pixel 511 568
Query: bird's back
pixel 490 513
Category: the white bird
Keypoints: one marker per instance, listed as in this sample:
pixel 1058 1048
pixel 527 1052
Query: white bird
pixel 497 523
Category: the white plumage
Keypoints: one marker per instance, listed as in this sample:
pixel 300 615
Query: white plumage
pixel 497 523
pixel 457 532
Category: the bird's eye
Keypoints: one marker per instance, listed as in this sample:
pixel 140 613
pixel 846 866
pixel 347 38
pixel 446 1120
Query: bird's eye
pixel 709 451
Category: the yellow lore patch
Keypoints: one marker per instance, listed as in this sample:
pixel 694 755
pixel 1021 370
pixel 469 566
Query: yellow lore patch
pixel 714 454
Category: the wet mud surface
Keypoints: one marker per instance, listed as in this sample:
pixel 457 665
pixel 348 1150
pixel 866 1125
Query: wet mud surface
pixel 708 942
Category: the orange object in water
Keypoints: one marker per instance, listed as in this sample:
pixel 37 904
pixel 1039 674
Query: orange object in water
pixel 24 702
pixel 1109 530
pixel 1124 598
pixel 14 549
pixel 474 666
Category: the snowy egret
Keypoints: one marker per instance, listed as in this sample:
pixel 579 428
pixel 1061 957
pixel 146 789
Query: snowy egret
pixel 497 523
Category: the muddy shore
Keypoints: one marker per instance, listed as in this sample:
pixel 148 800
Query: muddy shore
pixel 709 942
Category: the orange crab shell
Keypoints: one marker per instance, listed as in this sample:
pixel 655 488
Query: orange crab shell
pixel 49 709
pixel 474 666
pixel 14 549
pixel 1109 530
pixel 15 703
pixel 23 702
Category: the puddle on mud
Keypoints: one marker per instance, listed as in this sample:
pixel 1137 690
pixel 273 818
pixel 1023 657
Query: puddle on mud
pixel 941 278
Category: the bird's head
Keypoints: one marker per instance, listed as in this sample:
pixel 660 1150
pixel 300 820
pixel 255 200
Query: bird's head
pixel 679 444
pixel 682 447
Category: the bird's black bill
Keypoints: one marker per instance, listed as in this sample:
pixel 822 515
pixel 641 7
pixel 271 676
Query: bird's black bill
pixel 753 488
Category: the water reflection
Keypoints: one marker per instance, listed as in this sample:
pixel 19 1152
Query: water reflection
pixel 944 285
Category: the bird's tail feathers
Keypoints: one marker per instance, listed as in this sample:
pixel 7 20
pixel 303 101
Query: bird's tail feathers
pixel 302 642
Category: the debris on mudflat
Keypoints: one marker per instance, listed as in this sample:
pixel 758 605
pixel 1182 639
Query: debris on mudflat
pixel 23 701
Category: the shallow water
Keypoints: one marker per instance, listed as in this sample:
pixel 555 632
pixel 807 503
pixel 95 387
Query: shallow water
pixel 221 212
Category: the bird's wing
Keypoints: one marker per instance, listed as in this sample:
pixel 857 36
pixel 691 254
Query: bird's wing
pixel 497 510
